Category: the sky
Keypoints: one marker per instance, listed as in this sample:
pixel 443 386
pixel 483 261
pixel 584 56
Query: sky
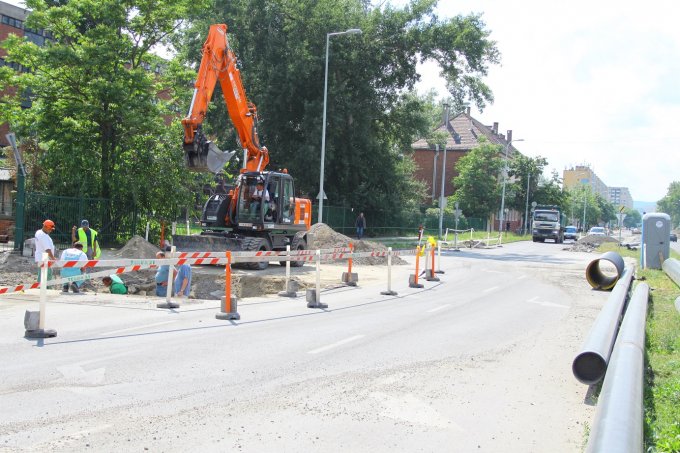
pixel 585 82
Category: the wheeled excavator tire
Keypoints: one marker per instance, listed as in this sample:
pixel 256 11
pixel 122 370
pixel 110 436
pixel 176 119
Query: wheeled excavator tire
pixel 298 243
pixel 255 244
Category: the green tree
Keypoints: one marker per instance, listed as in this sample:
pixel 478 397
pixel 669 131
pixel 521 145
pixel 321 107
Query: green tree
pixel 97 126
pixel 633 218
pixel 477 188
pixel 371 117
pixel 670 203
pixel 578 198
pixel 525 172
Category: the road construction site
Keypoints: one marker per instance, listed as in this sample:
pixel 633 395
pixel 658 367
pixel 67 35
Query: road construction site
pixel 480 359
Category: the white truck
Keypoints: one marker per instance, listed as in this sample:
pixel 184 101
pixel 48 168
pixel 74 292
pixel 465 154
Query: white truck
pixel 548 222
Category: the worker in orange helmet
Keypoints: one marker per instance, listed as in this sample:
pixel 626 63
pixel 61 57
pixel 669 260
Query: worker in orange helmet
pixel 44 244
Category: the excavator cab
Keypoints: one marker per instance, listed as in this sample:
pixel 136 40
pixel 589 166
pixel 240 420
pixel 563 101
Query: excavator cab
pixel 266 198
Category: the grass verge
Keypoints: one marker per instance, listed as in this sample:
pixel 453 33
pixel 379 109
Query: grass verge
pixel 662 357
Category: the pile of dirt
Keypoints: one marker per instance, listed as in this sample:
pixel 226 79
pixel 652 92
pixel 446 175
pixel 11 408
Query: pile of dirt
pixel 137 247
pixel 321 236
pixel 590 243
pixel 16 269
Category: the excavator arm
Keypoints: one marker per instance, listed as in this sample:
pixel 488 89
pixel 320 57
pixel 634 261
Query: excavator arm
pixel 219 63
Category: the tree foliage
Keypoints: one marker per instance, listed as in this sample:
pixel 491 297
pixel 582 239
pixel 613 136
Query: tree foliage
pixel 98 127
pixel 670 203
pixel 101 106
pixel 371 118
pixel 477 188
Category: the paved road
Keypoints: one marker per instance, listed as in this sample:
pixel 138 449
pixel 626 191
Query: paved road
pixel 479 361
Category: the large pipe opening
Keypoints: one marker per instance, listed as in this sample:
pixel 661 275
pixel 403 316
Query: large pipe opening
pixel 604 272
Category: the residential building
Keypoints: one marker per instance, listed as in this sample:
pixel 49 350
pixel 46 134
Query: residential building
pixel 463 133
pixel 620 196
pixel 583 174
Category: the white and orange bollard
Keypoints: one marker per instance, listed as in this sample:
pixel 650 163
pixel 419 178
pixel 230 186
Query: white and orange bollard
pixel 389 291
pixel 168 295
pixel 34 322
pixel 314 295
pixel 429 273
pixel 439 259
pixel 350 278
pixel 291 286
pixel 413 278
pixel 228 305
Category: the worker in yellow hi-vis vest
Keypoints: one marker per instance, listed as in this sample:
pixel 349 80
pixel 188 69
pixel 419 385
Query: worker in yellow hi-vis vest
pixel 89 239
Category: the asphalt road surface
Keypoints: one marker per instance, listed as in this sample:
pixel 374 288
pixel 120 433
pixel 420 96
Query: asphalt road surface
pixel 480 361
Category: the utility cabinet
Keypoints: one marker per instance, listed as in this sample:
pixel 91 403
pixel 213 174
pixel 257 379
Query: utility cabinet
pixel 656 239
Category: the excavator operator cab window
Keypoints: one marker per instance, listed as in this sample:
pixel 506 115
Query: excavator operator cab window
pixel 287 201
pixel 251 198
pixel 271 212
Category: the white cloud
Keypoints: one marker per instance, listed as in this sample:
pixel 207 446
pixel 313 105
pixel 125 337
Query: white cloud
pixel 587 82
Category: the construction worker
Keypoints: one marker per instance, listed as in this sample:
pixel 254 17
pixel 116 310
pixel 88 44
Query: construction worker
pixel 88 237
pixel 75 253
pixel 44 244
pixel 115 284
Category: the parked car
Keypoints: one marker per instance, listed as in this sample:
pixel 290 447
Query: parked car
pixel 674 237
pixel 597 231
pixel 571 232
pixel 636 230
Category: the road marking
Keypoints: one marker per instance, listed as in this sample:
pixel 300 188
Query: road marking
pixel 114 332
pixel 438 308
pixel 488 290
pixel 335 345
pixel 534 300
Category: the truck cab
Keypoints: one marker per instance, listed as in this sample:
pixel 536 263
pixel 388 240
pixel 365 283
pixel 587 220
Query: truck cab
pixel 548 223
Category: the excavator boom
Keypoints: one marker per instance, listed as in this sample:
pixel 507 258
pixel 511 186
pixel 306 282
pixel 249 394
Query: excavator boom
pixel 219 63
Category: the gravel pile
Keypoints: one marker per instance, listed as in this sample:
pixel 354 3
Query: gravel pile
pixel 590 243
pixel 321 236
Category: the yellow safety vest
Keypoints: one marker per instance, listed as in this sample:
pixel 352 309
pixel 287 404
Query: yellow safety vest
pixel 82 237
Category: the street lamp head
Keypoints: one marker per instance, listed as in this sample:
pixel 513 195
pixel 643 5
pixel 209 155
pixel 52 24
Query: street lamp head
pixel 351 31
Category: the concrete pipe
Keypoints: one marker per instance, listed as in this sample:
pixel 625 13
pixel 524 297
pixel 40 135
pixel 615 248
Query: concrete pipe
pixel 590 364
pixel 597 278
pixel 671 267
pixel 618 420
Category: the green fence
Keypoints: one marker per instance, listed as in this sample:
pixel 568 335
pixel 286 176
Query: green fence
pixel 391 223
pixel 114 227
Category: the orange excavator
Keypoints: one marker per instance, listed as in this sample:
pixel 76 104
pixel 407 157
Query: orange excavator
pixel 260 212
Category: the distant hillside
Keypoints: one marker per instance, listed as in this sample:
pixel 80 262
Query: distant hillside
pixel 645 206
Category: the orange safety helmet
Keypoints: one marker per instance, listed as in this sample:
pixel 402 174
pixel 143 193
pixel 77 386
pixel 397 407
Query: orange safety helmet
pixel 48 223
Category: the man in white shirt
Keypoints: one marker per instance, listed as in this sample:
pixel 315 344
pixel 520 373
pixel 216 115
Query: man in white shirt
pixel 260 195
pixel 44 244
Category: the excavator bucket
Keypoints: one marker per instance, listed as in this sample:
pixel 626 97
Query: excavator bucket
pixel 206 156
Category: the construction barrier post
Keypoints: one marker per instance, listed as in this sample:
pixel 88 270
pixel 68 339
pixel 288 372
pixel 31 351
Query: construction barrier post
pixel 168 295
pixel 429 273
pixel 291 286
pixel 389 291
pixel 349 278
pixel 229 303
pixel 314 295
pixel 439 259
pixel 413 278
pixel 35 322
